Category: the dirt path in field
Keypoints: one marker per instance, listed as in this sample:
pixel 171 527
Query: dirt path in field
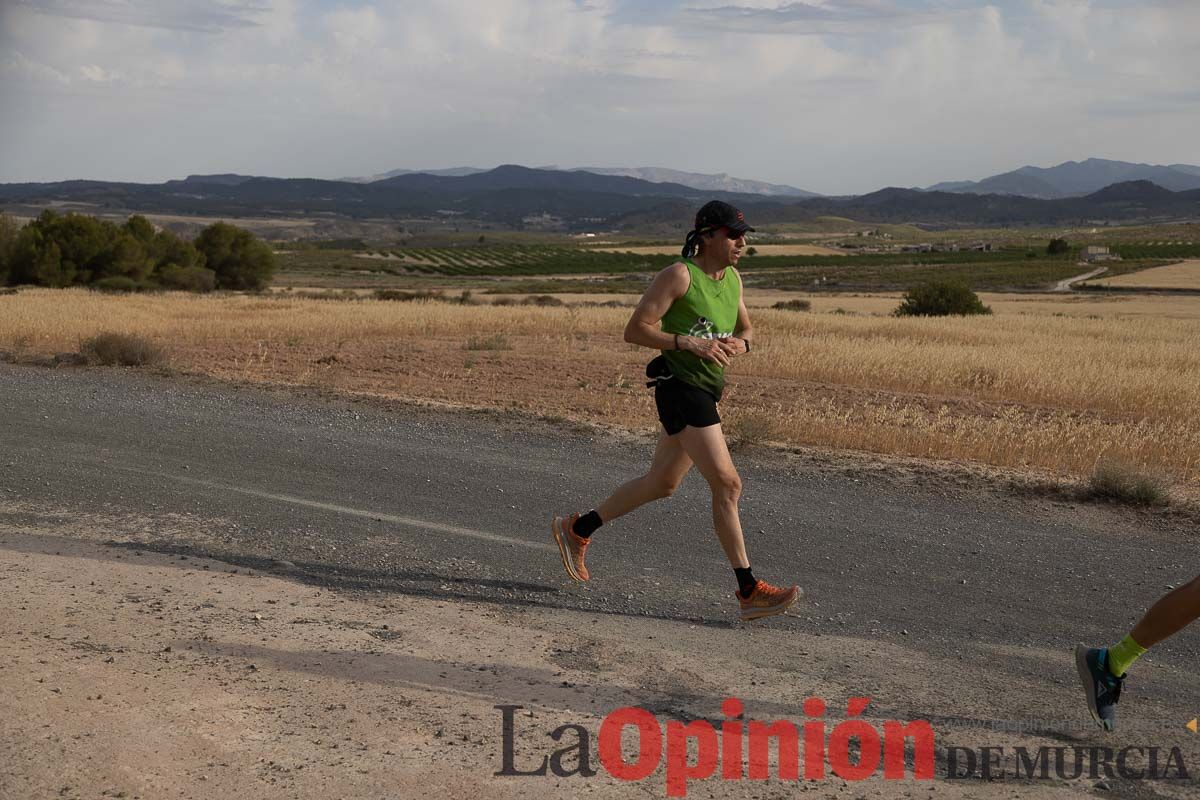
pixel 1065 285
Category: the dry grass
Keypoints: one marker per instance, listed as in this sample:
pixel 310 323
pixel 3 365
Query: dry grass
pixel 1184 275
pixel 1024 389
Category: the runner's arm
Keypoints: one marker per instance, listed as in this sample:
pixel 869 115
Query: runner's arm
pixel 643 327
pixel 667 287
pixel 743 331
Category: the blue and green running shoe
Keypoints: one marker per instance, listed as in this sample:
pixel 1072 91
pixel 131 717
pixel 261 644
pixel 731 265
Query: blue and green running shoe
pixel 1103 689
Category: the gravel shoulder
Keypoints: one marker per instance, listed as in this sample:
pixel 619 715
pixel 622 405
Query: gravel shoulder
pixel 135 674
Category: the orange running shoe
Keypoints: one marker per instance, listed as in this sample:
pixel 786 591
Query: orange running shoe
pixel 767 600
pixel 571 546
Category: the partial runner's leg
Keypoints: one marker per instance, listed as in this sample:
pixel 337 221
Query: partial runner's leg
pixel 1101 670
pixel 669 465
pixel 707 449
pixel 1172 613
pixel 573 532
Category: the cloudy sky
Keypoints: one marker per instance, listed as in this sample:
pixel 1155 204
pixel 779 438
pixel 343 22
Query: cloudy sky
pixel 836 96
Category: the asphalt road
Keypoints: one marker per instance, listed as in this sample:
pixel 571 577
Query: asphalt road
pixel 368 497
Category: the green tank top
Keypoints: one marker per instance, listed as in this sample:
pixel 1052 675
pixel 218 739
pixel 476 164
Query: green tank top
pixel 708 310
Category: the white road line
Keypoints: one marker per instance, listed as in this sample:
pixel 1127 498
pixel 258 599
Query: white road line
pixel 412 522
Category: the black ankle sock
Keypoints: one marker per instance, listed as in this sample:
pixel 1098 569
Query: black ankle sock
pixel 586 525
pixel 745 579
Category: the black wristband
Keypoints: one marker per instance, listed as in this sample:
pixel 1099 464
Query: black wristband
pixel 677 341
pixel 747 343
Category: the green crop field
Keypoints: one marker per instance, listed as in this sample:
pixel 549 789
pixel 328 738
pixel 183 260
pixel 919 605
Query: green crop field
pixel 500 267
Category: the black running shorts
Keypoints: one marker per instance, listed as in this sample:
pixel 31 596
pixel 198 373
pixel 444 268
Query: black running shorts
pixel 681 404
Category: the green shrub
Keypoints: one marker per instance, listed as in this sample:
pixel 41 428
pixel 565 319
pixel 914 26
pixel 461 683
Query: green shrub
pixel 122 349
pixel 187 279
pixel 1057 247
pixel 116 284
pixel 9 230
pixel 793 305
pixel 240 260
pixel 940 298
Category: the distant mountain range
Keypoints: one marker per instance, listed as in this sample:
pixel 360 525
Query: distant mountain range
pixel 1076 178
pixel 518 196
pixel 719 182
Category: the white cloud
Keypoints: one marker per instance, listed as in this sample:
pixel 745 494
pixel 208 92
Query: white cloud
pixel 834 95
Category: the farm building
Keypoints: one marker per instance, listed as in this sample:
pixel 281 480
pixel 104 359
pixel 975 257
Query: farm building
pixel 1094 252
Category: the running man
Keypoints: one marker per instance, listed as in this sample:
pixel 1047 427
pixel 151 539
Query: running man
pixel 694 313
pixel 1102 670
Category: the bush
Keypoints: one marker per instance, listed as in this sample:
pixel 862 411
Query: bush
pixel 497 342
pixel 9 230
pixel 71 249
pixel 544 300
pixel 187 279
pixel 793 305
pixel 116 284
pixel 121 349
pixel 940 298
pixel 1121 483
pixel 240 260
pixel 407 297
pixel 1057 247
pixel 750 428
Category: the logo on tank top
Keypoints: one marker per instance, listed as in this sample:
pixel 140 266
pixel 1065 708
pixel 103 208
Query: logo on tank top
pixel 703 329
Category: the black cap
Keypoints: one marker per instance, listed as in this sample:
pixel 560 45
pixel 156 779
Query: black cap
pixel 718 214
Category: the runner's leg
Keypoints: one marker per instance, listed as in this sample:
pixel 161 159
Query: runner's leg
pixel 707 449
pixel 669 465
pixel 1101 670
pixel 1172 613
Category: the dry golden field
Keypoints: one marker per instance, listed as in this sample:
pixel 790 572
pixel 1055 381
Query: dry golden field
pixel 1184 275
pixel 1047 383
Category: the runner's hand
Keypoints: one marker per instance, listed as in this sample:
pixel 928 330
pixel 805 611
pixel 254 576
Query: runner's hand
pixel 733 345
pixel 708 349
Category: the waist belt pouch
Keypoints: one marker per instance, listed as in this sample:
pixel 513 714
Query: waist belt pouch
pixel 657 370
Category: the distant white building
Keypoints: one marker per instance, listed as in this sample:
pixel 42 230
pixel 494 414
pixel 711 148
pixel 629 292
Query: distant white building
pixel 1095 252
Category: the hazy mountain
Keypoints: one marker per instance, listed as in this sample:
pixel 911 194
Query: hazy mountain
pixel 225 179
pixel 512 176
pixel 1074 178
pixel 450 172
pixel 1015 182
pixel 720 182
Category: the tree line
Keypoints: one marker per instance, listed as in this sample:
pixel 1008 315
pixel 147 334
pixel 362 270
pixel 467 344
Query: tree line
pixel 60 250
